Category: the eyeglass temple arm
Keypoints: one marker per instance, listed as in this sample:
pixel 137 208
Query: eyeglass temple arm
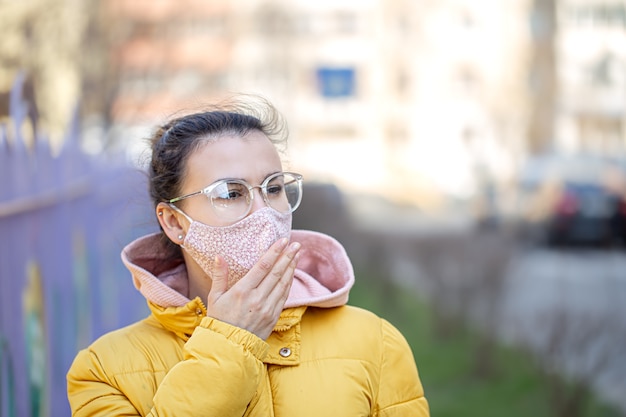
pixel 182 197
pixel 181 212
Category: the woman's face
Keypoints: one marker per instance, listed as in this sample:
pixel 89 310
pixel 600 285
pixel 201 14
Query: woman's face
pixel 251 158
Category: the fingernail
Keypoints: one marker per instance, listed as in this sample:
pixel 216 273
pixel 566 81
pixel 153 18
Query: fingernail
pixel 294 246
pixel 283 242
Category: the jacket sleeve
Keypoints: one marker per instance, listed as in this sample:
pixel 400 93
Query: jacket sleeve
pixel 400 389
pixel 218 376
pixel 91 393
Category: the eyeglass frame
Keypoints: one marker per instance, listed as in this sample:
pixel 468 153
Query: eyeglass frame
pixel 263 187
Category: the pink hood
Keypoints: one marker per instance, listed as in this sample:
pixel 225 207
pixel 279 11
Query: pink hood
pixel 323 278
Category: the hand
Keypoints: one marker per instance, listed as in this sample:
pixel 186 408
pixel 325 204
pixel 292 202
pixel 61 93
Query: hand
pixel 255 302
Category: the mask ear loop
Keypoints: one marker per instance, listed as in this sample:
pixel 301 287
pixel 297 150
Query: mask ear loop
pixel 181 237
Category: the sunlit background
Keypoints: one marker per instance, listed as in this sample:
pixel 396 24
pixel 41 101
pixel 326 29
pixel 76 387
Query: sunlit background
pixel 474 151
pixel 424 102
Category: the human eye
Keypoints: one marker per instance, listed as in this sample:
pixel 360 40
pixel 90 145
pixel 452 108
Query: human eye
pixel 229 191
pixel 276 187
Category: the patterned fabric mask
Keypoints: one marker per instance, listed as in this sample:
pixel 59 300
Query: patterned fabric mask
pixel 241 244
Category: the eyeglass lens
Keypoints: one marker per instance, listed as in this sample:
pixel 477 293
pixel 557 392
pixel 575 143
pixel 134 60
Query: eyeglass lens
pixel 232 199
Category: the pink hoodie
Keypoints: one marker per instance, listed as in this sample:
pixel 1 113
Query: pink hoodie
pixel 323 278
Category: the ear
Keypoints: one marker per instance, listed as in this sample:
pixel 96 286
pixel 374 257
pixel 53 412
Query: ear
pixel 172 222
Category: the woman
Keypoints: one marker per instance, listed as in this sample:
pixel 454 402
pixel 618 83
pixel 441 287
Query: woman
pixel 248 318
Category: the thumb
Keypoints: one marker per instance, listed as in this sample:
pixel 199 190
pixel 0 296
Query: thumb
pixel 219 276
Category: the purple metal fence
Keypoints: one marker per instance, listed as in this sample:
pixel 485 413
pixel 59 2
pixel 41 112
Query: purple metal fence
pixel 63 222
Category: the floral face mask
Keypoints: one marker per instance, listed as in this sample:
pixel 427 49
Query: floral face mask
pixel 241 244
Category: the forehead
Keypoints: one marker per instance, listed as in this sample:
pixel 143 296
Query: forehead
pixel 251 157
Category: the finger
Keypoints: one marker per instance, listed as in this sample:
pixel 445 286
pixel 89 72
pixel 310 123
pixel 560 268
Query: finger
pixel 264 266
pixel 278 273
pixel 278 297
pixel 219 276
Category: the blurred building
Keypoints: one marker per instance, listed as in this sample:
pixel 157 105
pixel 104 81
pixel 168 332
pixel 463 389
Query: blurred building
pixel 42 40
pixel 412 100
pixel 165 54
pixel 417 101
pixel 591 73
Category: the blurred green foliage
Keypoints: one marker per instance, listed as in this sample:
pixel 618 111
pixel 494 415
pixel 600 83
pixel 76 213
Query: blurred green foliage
pixel 447 365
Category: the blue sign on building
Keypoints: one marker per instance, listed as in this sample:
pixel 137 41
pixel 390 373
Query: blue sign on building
pixel 336 82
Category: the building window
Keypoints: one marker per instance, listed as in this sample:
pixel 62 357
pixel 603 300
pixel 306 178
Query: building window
pixel 336 82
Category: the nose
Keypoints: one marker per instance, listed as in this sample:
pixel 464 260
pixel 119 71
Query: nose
pixel 258 201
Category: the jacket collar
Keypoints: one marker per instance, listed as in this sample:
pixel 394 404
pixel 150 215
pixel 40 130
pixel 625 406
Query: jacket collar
pixel 323 278
pixel 284 342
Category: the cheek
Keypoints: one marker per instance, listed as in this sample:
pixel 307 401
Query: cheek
pixel 201 211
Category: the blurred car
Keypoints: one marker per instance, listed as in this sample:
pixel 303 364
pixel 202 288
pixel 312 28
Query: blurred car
pixel 584 213
pixel 573 199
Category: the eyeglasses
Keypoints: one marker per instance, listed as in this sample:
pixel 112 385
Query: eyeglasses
pixel 231 200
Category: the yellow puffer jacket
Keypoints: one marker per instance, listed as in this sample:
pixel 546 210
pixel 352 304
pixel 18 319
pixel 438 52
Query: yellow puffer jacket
pixel 321 360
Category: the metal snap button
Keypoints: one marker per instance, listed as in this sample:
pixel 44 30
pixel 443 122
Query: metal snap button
pixel 285 352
